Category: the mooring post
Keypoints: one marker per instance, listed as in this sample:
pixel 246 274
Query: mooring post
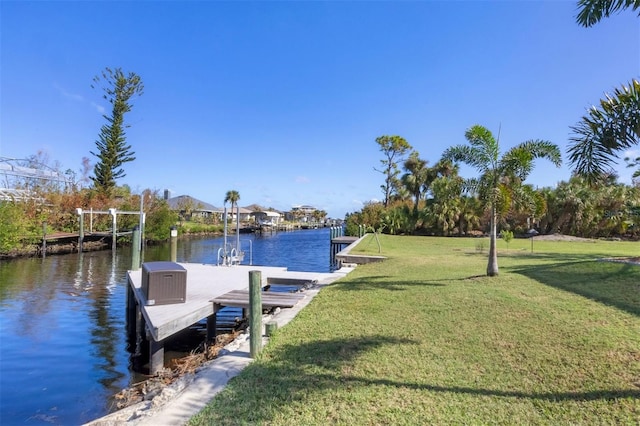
pixel 270 328
pixel 44 239
pixel 135 249
pixel 131 318
pixel 255 312
pixel 141 219
pixel 174 244
pixel 156 356
pixel 81 232
pixel 211 327
pixel 114 230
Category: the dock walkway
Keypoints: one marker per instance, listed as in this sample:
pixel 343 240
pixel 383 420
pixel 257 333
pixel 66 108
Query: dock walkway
pixel 208 287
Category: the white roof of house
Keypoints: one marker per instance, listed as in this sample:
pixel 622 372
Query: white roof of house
pixel 268 213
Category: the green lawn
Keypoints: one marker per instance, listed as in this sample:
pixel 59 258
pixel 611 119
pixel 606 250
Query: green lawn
pixel 425 338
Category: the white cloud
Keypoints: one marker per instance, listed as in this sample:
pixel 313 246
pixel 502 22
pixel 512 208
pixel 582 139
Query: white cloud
pixel 67 94
pixel 77 98
pixel 98 108
pixel 302 179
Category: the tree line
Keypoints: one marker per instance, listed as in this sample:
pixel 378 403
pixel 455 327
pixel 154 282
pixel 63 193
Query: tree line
pixel 591 204
pixel 418 199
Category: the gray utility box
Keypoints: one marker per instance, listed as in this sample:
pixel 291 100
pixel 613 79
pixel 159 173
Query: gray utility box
pixel 164 283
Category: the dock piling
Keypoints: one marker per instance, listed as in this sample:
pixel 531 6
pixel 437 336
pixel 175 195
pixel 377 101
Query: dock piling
pixel 44 239
pixel 156 356
pixel 81 232
pixel 114 228
pixel 135 249
pixel 174 244
pixel 255 312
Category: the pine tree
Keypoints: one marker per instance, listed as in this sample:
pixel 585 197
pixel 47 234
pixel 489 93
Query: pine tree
pixel 112 149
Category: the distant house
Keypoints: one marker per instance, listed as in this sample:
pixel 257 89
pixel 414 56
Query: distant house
pixel 302 213
pixel 191 208
pixel 267 218
pixel 245 214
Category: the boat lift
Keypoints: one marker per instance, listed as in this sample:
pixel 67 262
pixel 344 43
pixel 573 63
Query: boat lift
pixel 228 254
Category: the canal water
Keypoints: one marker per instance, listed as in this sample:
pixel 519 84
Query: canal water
pixel 63 348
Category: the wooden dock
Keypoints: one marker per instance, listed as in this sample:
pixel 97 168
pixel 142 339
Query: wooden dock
pixel 208 288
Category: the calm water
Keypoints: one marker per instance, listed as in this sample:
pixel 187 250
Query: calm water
pixel 63 350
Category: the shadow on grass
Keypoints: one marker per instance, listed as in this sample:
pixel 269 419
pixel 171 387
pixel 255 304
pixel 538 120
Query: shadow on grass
pixel 544 256
pixel 300 373
pixel 381 282
pixel 614 284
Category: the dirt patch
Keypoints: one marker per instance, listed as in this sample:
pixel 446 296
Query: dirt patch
pixel 633 260
pixel 561 237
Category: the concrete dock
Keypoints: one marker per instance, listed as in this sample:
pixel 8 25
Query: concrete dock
pixel 207 288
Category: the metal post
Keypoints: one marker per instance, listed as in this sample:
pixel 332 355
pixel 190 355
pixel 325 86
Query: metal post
pixel 225 232
pixel 174 244
pixel 238 231
pixel 81 232
pixel 141 220
pixel 135 249
pixel 113 229
pixel 255 312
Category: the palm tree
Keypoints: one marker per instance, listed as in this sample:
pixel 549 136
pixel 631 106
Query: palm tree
pixel 592 11
pixel 445 210
pixel 497 173
pixel 605 131
pixel 470 212
pixel 232 197
pixel 417 178
pixel 616 125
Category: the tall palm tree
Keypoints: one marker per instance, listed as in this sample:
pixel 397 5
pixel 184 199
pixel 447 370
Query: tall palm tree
pixel 496 173
pixel 232 197
pixel 606 131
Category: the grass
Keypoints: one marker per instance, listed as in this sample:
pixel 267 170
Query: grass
pixel 425 338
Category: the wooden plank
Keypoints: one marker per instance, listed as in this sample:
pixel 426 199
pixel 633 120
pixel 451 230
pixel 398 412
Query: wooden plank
pixel 240 298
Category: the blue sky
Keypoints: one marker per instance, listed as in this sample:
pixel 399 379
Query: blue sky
pixel 283 101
